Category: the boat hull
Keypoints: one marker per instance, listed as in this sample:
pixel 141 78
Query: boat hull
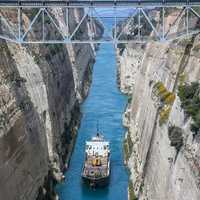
pixel 100 182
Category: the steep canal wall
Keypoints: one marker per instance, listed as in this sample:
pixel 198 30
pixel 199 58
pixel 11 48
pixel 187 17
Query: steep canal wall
pixel 41 89
pixel 161 147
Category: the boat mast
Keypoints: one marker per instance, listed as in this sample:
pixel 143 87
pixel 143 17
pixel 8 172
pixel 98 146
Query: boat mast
pixel 97 127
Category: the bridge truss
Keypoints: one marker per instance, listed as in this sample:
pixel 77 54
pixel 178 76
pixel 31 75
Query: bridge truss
pixel 123 21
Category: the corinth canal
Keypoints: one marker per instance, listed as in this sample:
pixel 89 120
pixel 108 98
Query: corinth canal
pixel 105 104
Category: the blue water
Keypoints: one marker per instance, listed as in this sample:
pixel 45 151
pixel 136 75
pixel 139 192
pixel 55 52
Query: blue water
pixel 106 104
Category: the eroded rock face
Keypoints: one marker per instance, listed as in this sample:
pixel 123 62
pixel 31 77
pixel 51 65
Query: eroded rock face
pixel 157 171
pixel 41 88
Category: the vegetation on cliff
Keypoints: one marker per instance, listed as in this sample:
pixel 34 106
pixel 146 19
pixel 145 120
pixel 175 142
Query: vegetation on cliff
pixel 176 137
pixel 128 147
pixel 166 99
pixel 189 95
pixel 131 192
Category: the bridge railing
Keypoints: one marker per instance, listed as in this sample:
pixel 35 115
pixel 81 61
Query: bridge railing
pixel 99 3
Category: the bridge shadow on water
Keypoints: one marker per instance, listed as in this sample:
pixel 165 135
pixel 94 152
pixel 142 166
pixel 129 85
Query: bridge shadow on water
pixel 104 103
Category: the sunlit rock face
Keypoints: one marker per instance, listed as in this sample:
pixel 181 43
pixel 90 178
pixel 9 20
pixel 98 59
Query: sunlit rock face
pixel 160 168
pixel 41 88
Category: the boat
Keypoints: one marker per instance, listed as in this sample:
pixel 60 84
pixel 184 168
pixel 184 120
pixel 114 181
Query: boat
pixel 96 167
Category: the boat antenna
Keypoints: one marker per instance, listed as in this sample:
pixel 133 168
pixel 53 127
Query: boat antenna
pixel 97 127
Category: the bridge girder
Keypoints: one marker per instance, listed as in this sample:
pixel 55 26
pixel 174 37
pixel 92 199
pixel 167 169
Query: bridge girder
pixel 126 32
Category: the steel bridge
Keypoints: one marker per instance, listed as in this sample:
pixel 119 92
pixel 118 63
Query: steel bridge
pixel 124 21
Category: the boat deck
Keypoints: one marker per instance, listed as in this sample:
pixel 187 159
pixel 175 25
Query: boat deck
pixel 96 171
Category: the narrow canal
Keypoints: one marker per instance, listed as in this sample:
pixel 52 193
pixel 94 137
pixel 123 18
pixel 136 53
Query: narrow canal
pixel 105 104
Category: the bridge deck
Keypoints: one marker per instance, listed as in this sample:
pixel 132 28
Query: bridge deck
pixel 100 3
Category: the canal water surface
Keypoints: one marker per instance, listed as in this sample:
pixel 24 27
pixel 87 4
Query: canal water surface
pixel 105 104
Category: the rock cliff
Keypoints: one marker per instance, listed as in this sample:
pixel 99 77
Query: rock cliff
pixel 161 151
pixel 41 89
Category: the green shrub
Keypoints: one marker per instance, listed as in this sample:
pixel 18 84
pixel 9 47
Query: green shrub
pixel 129 99
pixel 182 78
pixel 164 114
pixel 189 95
pixel 161 89
pixel 130 143
pixel 128 147
pixel 175 136
pixel 187 91
pixel 195 126
pixel 126 152
pixel 164 95
pixel 170 99
pixel 132 195
pixel 167 99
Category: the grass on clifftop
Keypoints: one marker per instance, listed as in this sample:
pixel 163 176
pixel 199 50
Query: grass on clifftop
pixel 190 101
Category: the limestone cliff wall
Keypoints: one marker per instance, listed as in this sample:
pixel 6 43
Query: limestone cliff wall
pixel 157 170
pixel 41 88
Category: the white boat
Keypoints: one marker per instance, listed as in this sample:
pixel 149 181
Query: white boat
pixel 96 168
